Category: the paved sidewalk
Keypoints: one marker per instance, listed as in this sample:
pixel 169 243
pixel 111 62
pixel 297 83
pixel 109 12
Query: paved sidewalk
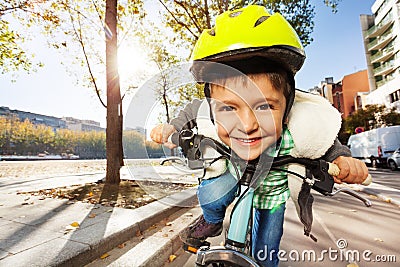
pixel 37 232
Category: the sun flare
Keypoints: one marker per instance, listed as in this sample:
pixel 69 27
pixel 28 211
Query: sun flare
pixel 132 60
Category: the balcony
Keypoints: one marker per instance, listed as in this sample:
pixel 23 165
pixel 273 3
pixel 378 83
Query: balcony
pixel 381 41
pixel 384 81
pixel 384 69
pixel 383 55
pixel 381 27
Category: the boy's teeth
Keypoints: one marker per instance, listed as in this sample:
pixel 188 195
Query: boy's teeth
pixel 247 140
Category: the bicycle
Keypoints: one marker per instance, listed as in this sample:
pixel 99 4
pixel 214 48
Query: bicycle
pixel 237 246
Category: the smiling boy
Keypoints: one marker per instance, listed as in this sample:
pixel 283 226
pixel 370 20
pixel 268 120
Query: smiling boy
pixel 248 62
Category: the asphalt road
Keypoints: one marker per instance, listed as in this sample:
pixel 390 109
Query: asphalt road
pixel 347 231
pixel 386 177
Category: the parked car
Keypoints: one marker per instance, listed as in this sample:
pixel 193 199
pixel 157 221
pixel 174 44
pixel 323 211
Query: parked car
pixel 394 160
pixel 376 145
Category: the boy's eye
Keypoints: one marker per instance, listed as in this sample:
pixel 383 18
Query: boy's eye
pixel 226 108
pixel 264 107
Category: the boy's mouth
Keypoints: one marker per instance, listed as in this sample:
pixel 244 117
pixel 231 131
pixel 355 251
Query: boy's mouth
pixel 248 141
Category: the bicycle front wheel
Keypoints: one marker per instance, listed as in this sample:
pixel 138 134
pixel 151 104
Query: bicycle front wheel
pixel 224 258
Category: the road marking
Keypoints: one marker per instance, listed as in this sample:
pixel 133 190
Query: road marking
pixel 333 238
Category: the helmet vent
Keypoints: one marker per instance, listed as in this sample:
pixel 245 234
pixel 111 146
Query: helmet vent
pixel 235 14
pixel 261 20
pixel 211 32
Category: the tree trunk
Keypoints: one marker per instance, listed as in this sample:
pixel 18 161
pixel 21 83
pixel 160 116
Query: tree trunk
pixel 113 137
pixel 120 131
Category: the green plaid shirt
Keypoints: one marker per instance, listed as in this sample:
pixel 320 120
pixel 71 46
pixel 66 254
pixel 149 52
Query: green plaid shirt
pixel 274 189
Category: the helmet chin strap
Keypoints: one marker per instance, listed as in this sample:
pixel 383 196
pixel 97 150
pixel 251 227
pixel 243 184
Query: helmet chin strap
pixel 290 100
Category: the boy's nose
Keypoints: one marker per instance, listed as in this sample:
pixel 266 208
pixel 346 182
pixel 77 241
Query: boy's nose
pixel 249 121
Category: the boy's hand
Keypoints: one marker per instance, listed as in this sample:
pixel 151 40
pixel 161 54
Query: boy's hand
pixel 352 171
pixel 160 134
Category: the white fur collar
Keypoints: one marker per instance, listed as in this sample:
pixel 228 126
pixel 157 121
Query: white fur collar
pixel 314 124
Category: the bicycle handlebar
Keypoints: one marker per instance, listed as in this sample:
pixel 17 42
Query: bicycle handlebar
pixel 193 146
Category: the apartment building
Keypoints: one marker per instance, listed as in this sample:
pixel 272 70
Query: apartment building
pixel 381 32
pixel 347 94
pixel 82 125
pixel 53 122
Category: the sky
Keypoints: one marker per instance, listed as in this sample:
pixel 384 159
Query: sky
pixel 337 50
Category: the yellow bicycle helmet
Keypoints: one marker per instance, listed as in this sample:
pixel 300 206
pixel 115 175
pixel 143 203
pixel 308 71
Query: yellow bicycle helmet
pixel 248 32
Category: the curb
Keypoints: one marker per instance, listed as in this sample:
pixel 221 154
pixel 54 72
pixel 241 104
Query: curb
pixel 165 206
pixel 156 247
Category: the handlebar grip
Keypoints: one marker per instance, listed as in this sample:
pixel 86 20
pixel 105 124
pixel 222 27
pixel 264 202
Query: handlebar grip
pixel 334 170
pixel 174 138
pixel 368 180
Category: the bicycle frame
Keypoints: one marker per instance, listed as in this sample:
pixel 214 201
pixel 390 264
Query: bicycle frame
pixel 233 251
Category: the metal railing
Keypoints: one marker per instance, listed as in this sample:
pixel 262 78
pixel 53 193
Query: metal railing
pixel 382 53
pixel 380 39
pixel 388 19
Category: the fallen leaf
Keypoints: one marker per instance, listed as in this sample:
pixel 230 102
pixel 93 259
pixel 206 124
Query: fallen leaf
pixel 92 215
pixel 121 245
pixel 138 233
pixel 75 224
pixel 90 194
pixel 105 255
pixel 171 258
pixel 388 200
pixel 352 265
pixel 154 226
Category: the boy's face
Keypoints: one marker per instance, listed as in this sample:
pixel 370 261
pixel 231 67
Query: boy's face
pixel 248 112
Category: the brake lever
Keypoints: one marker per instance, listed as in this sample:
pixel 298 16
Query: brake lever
pixel 174 159
pixel 325 184
pixel 351 193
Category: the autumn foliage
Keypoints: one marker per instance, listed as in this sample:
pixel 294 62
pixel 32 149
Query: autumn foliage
pixel 25 138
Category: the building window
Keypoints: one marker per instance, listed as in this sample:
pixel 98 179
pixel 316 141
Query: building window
pixel 395 96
